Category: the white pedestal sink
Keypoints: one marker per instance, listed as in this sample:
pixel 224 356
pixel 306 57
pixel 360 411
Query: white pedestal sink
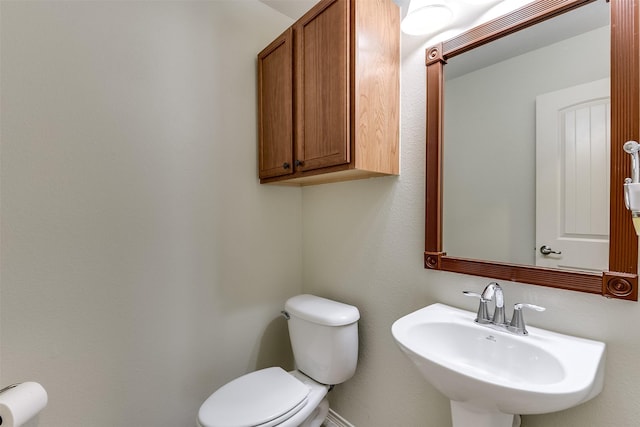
pixel 490 375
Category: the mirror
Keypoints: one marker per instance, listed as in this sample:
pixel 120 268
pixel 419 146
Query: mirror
pixel 491 145
pixel 454 150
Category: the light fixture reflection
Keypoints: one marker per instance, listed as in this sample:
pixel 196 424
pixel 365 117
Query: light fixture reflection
pixel 425 18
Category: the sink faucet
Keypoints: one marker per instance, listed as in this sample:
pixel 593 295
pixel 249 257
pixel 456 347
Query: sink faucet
pixel 492 292
pixel 494 289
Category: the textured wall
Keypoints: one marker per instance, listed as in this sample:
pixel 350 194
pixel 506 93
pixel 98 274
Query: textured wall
pixel 142 264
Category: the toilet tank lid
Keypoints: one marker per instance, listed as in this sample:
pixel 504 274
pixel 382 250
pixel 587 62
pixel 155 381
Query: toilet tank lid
pixel 322 311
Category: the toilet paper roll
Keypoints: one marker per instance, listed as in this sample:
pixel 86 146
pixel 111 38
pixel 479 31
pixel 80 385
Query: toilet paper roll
pixel 21 403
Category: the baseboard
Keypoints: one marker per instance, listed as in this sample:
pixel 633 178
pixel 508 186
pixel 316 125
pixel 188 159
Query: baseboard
pixel 335 420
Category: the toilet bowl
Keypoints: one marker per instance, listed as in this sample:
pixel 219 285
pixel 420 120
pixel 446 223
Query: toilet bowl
pixel 324 339
pixel 267 398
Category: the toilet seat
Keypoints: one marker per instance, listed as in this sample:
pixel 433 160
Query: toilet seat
pixel 263 398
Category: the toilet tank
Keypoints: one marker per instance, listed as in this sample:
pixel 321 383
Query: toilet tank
pixel 324 337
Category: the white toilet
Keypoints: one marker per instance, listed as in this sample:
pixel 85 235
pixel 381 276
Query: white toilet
pixel 324 339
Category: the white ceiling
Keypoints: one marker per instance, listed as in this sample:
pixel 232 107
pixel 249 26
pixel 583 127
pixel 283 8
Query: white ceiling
pixel 296 8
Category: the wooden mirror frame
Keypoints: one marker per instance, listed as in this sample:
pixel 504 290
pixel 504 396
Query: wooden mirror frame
pixel 621 280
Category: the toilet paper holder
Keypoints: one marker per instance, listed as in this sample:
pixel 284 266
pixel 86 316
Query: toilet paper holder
pixel 21 402
pixel 2 390
pixel 9 387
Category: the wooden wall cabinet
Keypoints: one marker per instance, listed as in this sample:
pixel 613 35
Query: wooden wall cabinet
pixel 329 95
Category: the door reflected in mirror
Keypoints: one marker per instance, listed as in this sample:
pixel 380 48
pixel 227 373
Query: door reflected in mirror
pixel 506 195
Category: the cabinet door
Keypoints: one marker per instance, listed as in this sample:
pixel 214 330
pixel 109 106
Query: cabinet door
pixel 275 107
pixel 322 85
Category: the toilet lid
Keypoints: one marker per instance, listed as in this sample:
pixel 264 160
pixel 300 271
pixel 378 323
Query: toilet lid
pixel 254 399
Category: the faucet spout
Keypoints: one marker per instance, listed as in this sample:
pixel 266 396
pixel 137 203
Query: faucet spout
pixel 492 290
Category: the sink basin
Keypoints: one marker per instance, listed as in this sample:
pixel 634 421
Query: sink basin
pixel 490 374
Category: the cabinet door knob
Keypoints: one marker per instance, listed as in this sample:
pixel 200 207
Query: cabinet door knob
pixel 299 163
pixel 286 165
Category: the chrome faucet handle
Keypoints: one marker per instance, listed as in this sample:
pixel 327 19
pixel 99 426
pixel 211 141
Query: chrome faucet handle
pixel 517 324
pixel 483 309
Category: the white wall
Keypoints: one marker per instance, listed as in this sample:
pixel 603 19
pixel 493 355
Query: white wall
pixel 363 244
pixel 142 264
